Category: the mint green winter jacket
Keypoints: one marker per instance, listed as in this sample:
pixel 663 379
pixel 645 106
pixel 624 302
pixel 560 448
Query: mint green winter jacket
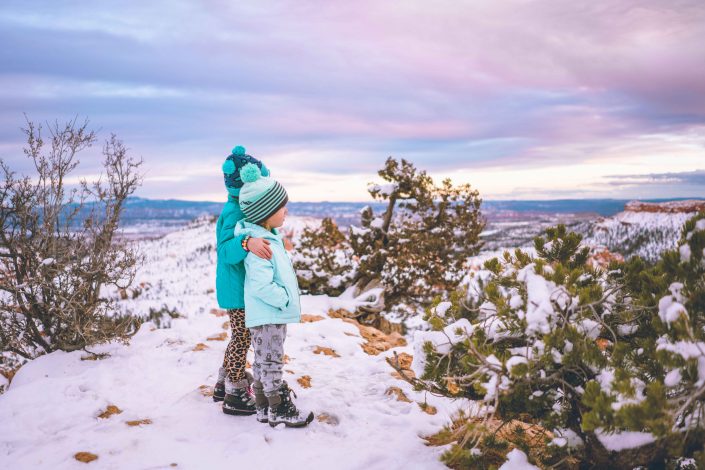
pixel 230 270
pixel 271 288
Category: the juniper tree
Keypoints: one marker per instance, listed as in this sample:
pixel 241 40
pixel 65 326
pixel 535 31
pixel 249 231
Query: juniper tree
pixel 58 246
pixel 323 259
pixel 547 343
pixel 417 247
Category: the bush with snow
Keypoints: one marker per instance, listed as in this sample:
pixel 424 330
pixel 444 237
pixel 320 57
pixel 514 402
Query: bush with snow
pixel 574 365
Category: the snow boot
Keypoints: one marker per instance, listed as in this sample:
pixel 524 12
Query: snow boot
pixel 261 402
pixel 219 391
pixel 238 400
pixel 283 410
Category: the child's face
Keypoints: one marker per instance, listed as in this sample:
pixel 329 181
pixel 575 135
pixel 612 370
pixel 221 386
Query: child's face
pixel 277 219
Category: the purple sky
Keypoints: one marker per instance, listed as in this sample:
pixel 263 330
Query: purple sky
pixel 522 99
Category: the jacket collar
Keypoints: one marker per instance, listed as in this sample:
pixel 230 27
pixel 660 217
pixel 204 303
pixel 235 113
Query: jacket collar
pixel 257 231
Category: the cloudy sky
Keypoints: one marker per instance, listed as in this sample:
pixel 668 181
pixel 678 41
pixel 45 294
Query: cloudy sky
pixel 523 99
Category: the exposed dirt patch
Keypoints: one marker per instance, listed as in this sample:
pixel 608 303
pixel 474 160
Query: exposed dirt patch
pixel 304 381
pixel 109 411
pixel 327 418
pixel 139 422
pixel 305 318
pixel 218 337
pixel 428 408
pixel 219 312
pixel 324 350
pixel 85 457
pixel 377 341
pixel 398 394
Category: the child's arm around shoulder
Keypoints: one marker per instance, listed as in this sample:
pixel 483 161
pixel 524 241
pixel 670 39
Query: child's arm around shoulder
pixel 230 246
pixel 260 273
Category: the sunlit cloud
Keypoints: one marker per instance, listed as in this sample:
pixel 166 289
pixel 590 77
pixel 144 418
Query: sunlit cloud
pixel 499 94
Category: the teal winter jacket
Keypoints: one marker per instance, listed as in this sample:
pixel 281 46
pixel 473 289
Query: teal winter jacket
pixel 271 288
pixel 230 270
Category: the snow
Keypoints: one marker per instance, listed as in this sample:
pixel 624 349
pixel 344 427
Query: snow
pixel 515 360
pixel 517 460
pixel 384 189
pixel 687 350
pixel 673 378
pixel 442 341
pixel 539 309
pixel 442 308
pixel 684 251
pixel 48 262
pixel 377 223
pixel 624 439
pixel 50 411
pixel 670 307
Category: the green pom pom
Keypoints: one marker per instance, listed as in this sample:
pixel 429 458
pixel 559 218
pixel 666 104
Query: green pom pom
pixel 250 173
pixel 239 150
pixel 228 167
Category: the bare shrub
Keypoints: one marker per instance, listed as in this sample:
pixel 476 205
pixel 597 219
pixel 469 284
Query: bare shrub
pixel 59 255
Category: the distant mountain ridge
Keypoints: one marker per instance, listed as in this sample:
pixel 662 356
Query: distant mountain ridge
pixel 141 209
pixel 510 223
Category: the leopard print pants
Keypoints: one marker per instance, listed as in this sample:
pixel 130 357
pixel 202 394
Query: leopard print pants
pixel 236 352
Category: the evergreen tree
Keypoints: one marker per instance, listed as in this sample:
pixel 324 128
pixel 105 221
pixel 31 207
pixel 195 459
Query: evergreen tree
pixel 575 354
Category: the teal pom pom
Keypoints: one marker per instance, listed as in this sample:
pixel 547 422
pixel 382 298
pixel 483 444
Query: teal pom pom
pixel 228 167
pixel 239 150
pixel 250 173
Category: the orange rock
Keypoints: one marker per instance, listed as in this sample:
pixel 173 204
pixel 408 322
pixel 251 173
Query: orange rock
pixel 219 312
pixel 686 206
pixel 138 422
pixel 304 381
pixel 377 341
pixel 200 347
pixel 286 359
pixel 109 411
pixel 405 360
pixel 206 391
pixel 305 318
pixel 326 351
pixel 85 457
pixel 398 393
pixel 226 325
pixel 340 313
pixel 218 337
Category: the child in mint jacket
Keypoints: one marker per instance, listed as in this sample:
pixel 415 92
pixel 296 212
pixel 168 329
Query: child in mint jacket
pixel 271 297
pixel 232 386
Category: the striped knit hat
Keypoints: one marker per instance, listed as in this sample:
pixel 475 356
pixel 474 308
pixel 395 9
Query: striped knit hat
pixel 260 197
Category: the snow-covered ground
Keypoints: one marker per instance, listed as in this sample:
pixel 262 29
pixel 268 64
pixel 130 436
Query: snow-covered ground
pixel 640 233
pixel 51 410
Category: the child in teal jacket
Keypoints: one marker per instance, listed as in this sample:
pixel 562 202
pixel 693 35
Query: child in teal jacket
pixel 271 297
pixel 232 385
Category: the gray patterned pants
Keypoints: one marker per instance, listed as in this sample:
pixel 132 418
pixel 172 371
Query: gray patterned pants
pixel 268 343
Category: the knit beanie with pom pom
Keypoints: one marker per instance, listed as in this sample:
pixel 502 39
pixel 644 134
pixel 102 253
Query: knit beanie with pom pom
pixel 232 166
pixel 260 196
